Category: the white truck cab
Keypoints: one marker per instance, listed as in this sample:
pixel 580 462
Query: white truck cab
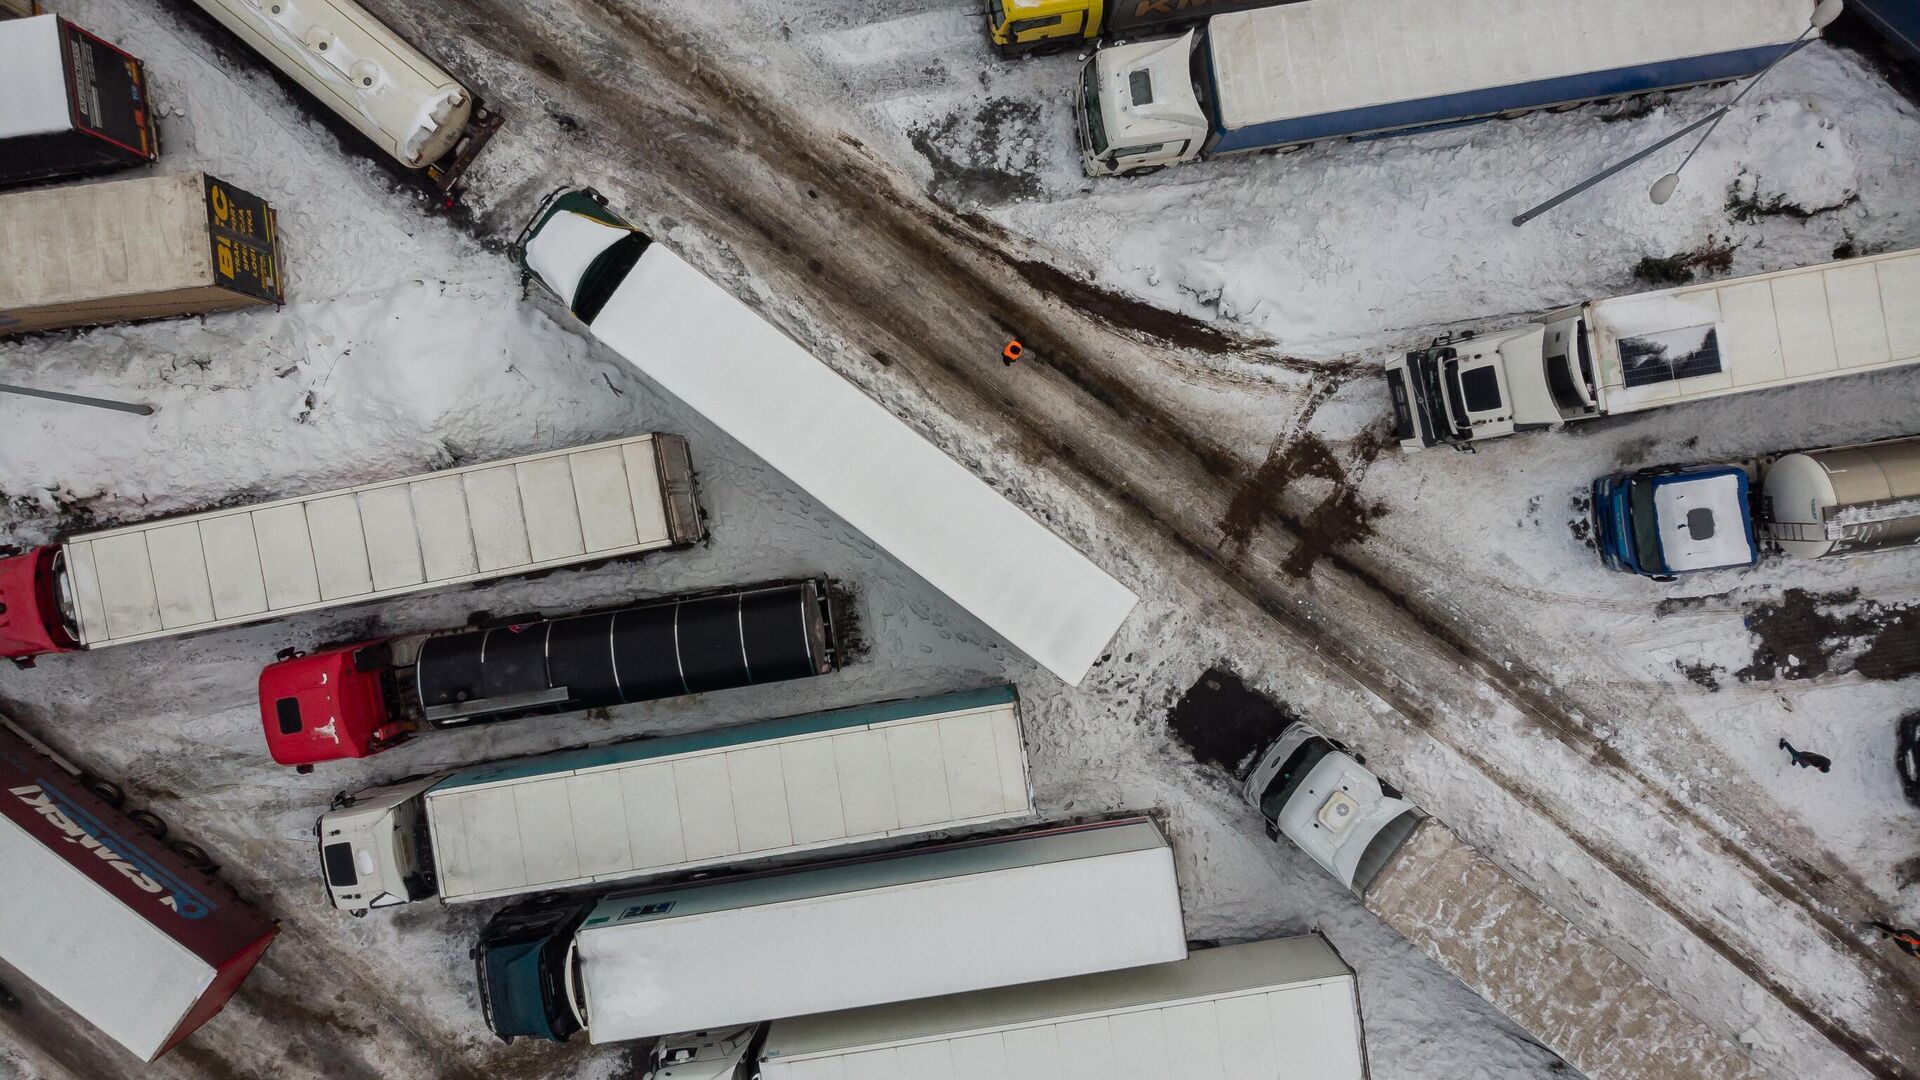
pixel 1311 790
pixel 1137 108
pixel 372 848
pixel 702 1055
pixel 1460 390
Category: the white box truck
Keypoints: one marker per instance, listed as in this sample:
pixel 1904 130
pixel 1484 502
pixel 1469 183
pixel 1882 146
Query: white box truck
pixel 1292 74
pixel 945 919
pixel 1629 353
pixel 1286 1009
pixel 127 931
pixel 251 563
pixel 713 352
pixel 664 805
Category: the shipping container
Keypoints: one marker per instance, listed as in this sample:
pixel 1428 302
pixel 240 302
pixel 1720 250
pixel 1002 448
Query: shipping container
pixel 248 564
pixel 846 450
pixel 950 918
pixel 649 807
pixel 105 917
pixel 70 103
pixel 150 248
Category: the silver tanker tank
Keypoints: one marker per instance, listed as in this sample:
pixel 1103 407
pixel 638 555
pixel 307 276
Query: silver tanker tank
pixel 1845 500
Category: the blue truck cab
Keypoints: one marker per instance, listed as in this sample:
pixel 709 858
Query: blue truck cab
pixel 523 961
pixel 1670 520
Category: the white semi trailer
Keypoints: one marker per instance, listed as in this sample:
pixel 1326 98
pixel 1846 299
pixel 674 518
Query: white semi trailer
pixel 1286 1009
pixel 1047 903
pixel 1630 353
pixel 657 806
pixel 848 451
pixel 251 563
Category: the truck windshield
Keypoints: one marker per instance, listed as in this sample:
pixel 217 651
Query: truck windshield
pixel 1090 97
pixel 1292 774
pixel 1646 526
pixel 997 17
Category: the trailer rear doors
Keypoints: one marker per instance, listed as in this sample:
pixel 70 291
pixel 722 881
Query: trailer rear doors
pixel 476 523
pixel 654 806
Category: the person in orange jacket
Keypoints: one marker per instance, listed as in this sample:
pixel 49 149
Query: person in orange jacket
pixel 1908 940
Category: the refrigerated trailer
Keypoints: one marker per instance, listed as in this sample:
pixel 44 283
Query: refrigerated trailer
pixel 364 73
pixel 70 103
pixel 362 699
pixel 250 563
pixel 106 918
pixel 1631 353
pixel 658 806
pixel 151 248
pixel 1293 74
pixel 825 434
pixel 949 918
pixel 1266 1010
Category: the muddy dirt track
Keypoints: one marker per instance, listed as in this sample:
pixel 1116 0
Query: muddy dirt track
pixel 928 297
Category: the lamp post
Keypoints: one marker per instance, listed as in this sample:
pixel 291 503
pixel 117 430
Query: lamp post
pixel 1823 15
pixel 78 399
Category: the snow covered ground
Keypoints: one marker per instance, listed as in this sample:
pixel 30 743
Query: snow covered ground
pixel 405 344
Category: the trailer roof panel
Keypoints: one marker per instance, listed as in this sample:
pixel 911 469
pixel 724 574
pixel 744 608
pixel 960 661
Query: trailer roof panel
pixel 1327 56
pixel 33 78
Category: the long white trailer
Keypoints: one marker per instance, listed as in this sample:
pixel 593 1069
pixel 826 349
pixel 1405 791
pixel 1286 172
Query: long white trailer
pixel 859 460
pixel 1628 353
pixel 1044 904
pixel 1286 1009
pixel 665 805
pixel 245 564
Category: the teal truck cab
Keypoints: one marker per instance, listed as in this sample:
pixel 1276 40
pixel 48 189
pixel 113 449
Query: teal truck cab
pixel 523 957
pixel 1672 520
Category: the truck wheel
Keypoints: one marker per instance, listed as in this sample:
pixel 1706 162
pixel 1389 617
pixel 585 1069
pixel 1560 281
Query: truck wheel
pixel 109 792
pixel 193 854
pixel 149 823
pixel 1144 170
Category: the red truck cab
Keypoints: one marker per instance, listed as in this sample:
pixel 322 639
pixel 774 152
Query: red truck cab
pixel 329 705
pixel 34 618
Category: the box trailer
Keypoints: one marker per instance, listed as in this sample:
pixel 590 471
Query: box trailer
pixel 1266 1010
pixel 1811 504
pixel 383 87
pixel 825 434
pixel 658 806
pixel 1564 987
pixel 70 103
pixel 1293 74
pixel 362 699
pixel 251 563
pixel 103 916
pixel 150 248
pixel 1630 353
pixel 944 919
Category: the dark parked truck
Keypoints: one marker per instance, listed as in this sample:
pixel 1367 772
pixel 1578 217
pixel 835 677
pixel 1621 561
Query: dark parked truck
pixel 1582 1002
pixel 104 916
pixel 1676 519
pixel 1023 27
pixel 1048 903
pixel 70 103
pixel 648 807
pixel 1293 74
pixel 247 564
pixel 151 248
pixel 356 700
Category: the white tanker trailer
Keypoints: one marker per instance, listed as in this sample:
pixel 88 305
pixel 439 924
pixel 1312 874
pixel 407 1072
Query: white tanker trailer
pixel 1811 504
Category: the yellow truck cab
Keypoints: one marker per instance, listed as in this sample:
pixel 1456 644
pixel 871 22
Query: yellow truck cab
pixel 1023 27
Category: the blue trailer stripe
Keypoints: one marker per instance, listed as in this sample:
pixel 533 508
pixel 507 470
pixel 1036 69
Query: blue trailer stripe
pixel 1403 116
pixel 621 753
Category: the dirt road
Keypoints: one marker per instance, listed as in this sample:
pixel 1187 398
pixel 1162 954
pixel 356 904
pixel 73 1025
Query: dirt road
pixel 925 298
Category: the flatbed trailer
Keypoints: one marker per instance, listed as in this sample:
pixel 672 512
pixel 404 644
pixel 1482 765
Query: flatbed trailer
pixel 251 563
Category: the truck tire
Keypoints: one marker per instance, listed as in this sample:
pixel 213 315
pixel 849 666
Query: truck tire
pixel 193 855
pixel 1144 170
pixel 149 823
pixel 109 792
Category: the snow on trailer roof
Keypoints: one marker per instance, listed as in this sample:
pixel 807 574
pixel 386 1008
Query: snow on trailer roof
pixel 1220 1014
pixel 704 346
pixel 226 567
pixel 749 791
pixel 33 78
pixel 1773 329
pixel 1328 56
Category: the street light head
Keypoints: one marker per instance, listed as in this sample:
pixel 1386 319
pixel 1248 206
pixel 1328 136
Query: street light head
pixel 1663 188
pixel 1826 11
